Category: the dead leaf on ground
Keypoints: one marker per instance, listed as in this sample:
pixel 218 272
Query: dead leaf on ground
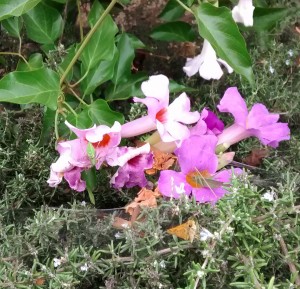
pixel 145 198
pixel 255 157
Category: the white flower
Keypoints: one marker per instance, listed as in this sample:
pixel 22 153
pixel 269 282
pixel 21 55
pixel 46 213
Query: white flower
pixel 290 53
pixel 206 63
pixel 271 69
pixel 84 267
pixel 162 264
pixel 269 196
pixel 287 62
pixel 56 262
pixel 243 12
pixel 83 203
pixel 205 234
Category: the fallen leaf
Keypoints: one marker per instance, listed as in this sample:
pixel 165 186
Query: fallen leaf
pixel 39 281
pixel 120 223
pixel 186 231
pixel 255 157
pixel 145 198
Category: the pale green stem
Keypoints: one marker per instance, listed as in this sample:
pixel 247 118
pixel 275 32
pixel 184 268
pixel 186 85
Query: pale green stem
pixel 184 6
pixel 56 124
pixel 17 54
pixel 82 78
pixel 70 108
pixel 78 97
pixel 86 40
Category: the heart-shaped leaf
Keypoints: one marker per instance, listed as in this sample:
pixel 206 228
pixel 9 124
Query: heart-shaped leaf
pixel 102 42
pixel 218 27
pixel 37 86
pixel 9 8
pixel 13 26
pixel 43 23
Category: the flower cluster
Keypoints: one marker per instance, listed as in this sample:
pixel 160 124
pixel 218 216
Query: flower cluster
pixel 194 137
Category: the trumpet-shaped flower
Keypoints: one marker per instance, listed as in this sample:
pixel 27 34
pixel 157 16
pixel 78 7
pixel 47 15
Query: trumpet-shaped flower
pixel 169 120
pixel 132 162
pixel 74 156
pixel 198 175
pixel 102 138
pixel 243 12
pixel 72 161
pixel 206 63
pixel 258 122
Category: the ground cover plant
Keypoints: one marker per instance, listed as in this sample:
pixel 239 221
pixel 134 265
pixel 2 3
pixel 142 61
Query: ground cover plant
pixel 128 164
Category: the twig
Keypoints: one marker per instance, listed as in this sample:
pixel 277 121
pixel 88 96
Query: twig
pixel 291 265
pixel 267 215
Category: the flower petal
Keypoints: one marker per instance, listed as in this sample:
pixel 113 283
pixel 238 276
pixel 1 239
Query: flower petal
pixel 233 103
pixel 73 177
pixel 198 152
pixel 173 184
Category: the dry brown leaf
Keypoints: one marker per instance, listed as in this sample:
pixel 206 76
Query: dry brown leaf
pixel 145 198
pixel 120 223
pixel 255 157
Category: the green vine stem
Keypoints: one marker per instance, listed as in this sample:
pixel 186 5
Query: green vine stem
pixel 87 39
pixel 184 6
pixel 17 54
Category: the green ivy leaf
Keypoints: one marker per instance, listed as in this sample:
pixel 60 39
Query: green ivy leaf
pixel 126 56
pixel 35 61
pixel 174 31
pixel 37 86
pixel 13 26
pixel 126 89
pixel 172 11
pixel 9 8
pixel 135 42
pixel 266 18
pixel 102 42
pixel 97 113
pixel 218 27
pixel 99 74
pixel 101 113
pixel 66 61
pixel 44 24
pixel 48 124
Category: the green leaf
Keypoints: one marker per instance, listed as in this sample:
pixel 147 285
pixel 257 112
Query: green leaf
pixel 102 42
pixel 266 18
pixel 101 113
pixel 126 56
pixel 37 86
pixel 35 61
pixel 13 26
pixel 128 88
pixel 174 31
pixel 172 11
pixel 44 24
pixel 9 8
pixel 99 74
pixel 175 87
pixel 135 42
pixel 218 27
pixel 97 113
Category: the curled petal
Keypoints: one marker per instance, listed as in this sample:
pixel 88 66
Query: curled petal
pixel 243 12
pixel 73 177
pixel 233 103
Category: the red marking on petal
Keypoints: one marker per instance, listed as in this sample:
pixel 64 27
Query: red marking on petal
pixel 103 143
pixel 162 115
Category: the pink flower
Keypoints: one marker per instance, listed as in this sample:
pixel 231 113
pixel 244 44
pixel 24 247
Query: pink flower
pixel 132 162
pixel 206 63
pixel 72 161
pixel 198 176
pixel 102 138
pixel 257 122
pixel 243 12
pixel 169 120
